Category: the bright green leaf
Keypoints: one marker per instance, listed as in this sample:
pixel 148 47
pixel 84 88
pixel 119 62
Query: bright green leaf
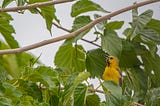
pixel 11 66
pixel 71 58
pixel 83 6
pixel 111 43
pixel 6 29
pixel 95 62
pixel 114 25
pixel 92 100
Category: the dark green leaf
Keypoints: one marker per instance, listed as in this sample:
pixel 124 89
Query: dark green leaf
pixel 6 29
pixel 6 2
pixel 139 22
pixel 47 12
pixel 113 93
pixel 92 100
pixel 154 24
pixel 114 25
pixel 83 6
pixel 80 95
pixel 71 58
pixel 21 2
pixel 111 43
pixel 95 62
pixel 30 89
pixel 101 24
pixel 78 23
pixel 128 56
pixel 54 100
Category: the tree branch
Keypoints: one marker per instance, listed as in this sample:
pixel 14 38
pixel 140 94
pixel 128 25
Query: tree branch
pixel 73 34
pixel 64 29
pixel 35 5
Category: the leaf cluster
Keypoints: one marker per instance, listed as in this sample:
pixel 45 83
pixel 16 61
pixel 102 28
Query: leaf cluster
pixel 25 81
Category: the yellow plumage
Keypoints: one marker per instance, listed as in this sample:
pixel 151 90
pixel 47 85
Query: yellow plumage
pixel 112 72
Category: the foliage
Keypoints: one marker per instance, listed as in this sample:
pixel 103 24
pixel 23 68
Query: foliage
pixel 24 81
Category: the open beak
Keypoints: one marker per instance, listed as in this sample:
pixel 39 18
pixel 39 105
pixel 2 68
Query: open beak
pixel 106 56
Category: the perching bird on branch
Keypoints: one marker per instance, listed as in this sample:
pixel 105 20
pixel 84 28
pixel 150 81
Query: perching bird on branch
pixel 112 71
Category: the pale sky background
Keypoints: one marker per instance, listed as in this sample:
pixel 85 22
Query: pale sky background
pixel 31 28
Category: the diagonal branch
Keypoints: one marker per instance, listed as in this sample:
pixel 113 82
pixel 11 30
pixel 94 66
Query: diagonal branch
pixel 64 29
pixel 73 34
pixel 35 5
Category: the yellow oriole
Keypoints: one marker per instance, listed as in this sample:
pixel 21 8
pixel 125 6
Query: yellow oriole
pixel 112 71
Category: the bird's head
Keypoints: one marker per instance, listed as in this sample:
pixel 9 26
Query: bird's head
pixel 112 61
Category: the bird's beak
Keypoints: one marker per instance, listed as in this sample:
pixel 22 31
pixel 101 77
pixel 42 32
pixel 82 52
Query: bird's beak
pixel 106 56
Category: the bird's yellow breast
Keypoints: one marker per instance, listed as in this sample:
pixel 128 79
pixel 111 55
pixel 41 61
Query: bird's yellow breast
pixel 111 74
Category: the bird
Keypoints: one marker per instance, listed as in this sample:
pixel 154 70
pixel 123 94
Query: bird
pixel 112 71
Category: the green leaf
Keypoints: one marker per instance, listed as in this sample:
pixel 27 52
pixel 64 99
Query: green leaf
pixel 83 6
pixel 153 97
pixel 11 66
pixel 47 12
pixel 111 43
pixel 113 94
pixel 72 82
pixel 78 23
pixel 128 57
pixel 92 100
pixel 101 24
pixel 5 101
pixel 154 24
pixel 46 76
pixel 80 95
pixel 151 65
pixel 139 22
pixel 6 2
pixel 95 62
pixel 70 58
pixel 10 90
pixel 6 29
pixel 21 2
pixel 150 36
pixel 114 25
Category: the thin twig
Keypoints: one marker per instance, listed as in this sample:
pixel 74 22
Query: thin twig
pixel 64 29
pixel 70 32
pixel 35 5
pixel 73 34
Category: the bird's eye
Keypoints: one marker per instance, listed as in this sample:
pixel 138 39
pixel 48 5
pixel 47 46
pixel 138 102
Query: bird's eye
pixel 111 58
